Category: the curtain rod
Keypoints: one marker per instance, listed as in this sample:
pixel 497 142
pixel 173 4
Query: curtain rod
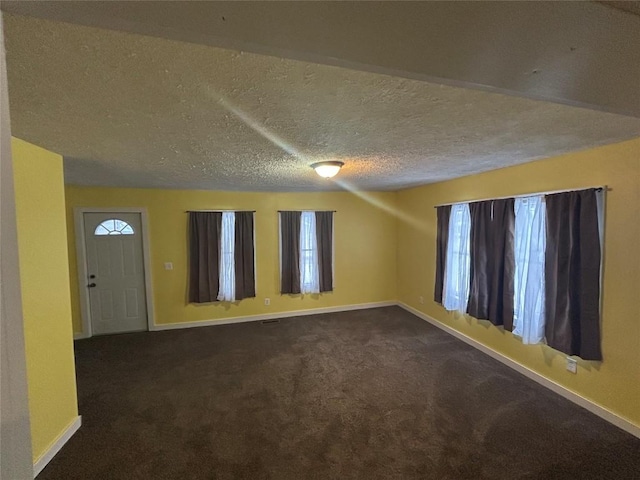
pixel 550 192
pixel 253 211
pixel 218 211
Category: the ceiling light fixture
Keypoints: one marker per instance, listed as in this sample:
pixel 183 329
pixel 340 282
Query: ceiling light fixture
pixel 327 169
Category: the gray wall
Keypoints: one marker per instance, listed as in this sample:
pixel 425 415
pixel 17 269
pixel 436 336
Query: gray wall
pixel 15 436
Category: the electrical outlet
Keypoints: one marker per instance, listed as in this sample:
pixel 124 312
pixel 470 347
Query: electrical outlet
pixel 572 365
pixel 421 300
pixel 267 301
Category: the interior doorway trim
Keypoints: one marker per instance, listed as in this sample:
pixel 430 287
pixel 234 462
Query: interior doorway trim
pixel 81 255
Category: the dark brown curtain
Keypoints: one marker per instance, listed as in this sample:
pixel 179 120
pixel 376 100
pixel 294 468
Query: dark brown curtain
pixel 290 255
pixel 243 256
pixel 324 237
pixel 572 274
pixel 443 213
pixel 492 261
pixel 204 248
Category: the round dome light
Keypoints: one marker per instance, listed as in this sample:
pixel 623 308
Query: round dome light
pixel 327 169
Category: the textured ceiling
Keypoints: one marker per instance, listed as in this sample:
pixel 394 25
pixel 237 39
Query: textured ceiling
pixel 626 6
pixel 130 110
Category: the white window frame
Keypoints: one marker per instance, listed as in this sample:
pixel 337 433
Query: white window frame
pixel 114 232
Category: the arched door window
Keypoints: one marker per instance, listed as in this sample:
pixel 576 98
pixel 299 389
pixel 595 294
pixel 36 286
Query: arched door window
pixel 113 226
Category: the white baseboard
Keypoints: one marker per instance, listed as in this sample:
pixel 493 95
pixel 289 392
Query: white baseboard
pixel 80 336
pixel 64 437
pixel 272 316
pixel 594 408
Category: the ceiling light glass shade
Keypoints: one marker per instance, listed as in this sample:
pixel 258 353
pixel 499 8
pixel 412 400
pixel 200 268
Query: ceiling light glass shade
pixel 327 169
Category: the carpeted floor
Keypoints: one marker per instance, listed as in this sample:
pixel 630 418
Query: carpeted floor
pixel 371 394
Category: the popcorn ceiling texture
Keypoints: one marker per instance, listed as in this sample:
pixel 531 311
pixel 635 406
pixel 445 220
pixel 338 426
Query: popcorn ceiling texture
pixel 134 111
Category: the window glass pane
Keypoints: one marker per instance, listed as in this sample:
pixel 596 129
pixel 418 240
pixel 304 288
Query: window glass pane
pixel 457 266
pixel 113 226
pixel 309 273
pixel 120 225
pixel 530 242
pixel 101 230
pixel 227 287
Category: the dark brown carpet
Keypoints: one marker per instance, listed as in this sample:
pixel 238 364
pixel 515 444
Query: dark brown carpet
pixel 372 394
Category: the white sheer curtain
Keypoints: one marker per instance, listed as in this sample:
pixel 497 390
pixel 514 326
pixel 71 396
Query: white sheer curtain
pixel 457 265
pixel 227 290
pixel 309 273
pixel 530 242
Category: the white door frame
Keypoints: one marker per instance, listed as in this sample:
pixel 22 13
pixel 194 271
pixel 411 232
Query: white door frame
pixel 81 253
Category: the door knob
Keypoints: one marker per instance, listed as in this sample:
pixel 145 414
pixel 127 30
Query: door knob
pixel 91 285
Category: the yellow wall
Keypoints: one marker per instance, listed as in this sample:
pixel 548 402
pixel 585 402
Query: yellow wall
pixel 44 278
pixel 613 384
pixel 371 248
pixel 365 248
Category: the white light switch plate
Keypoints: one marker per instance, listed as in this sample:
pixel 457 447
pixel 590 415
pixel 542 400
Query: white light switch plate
pixel 168 266
pixel 572 365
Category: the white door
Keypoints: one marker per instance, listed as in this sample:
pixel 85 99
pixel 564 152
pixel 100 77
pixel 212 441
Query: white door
pixel 115 270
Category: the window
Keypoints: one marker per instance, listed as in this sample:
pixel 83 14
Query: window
pixel 221 256
pixel 529 250
pixel 536 265
pixel 227 290
pixel 309 275
pixel 306 252
pixel 113 226
pixel 457 265
pixel 529 246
